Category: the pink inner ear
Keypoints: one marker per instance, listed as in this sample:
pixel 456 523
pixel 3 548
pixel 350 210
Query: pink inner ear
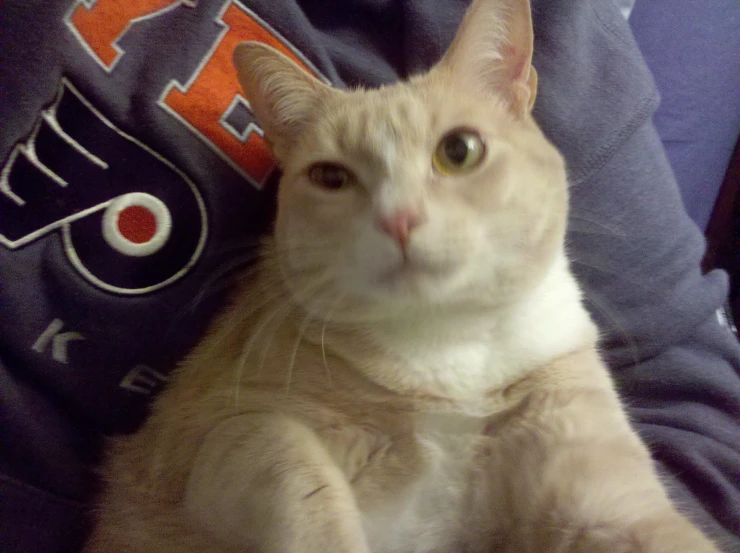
pixel 518 62
pixel 509 50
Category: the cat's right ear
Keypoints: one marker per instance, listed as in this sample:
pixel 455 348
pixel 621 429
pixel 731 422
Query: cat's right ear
pixel 281 94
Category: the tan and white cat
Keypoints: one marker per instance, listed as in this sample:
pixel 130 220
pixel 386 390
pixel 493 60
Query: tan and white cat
pixel 410 367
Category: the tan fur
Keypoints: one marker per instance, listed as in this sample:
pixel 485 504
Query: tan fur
pixel 353 399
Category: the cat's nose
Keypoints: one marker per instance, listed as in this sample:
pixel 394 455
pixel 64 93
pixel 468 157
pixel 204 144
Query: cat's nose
pixel 399 224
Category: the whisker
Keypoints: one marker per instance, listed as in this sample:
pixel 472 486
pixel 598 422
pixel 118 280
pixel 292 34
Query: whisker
pixel 598 301
pixel 294 354
pixel 242 361
pixel 263 353
pixel 239 316
pixel 228 248
pixel 213 286
pixel 575 218
pixel 602 269
pixel 266 246
pixel 325 246
pixel 588 232
pixel 326 320
pixel 284 308
pixel 240 265
pixel 323 354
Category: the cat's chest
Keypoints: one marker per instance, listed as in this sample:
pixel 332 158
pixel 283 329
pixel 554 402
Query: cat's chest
pixel 463 371
pixel 429 513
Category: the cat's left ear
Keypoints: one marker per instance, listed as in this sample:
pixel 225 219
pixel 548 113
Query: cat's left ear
pixel 493 51
pixel 281 94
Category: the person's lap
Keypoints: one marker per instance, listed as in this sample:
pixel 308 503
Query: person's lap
pixel 635 249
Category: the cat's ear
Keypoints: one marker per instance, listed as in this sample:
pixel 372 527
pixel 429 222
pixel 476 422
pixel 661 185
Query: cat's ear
pixel 281 94
pixel 493 51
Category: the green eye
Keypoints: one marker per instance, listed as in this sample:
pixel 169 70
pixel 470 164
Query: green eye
pixel 459 151
pixel 329 176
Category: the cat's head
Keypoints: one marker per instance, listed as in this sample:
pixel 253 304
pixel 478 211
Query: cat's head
pixel 433 192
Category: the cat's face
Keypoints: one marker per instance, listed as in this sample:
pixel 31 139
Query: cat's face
pixel 431 192
pixel 483 194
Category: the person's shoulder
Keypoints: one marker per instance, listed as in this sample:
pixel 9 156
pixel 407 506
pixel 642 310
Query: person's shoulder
pixel 595 88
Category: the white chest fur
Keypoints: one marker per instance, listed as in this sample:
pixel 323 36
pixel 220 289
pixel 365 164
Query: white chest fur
pixel 462 360
pixel 431 514
pixel 461 356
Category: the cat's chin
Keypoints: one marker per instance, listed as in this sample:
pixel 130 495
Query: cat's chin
pixel 412 285
pixel 412 274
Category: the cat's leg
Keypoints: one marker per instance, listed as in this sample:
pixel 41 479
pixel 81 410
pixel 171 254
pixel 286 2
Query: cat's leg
pixel 565 473
pixel 353 447
pixel 266 483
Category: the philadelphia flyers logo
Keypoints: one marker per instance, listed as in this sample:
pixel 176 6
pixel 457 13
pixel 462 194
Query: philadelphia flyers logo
pixel 131 222
pixel 210 103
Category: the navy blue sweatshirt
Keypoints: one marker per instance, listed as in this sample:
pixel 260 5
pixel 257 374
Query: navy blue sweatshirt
pixel 132 174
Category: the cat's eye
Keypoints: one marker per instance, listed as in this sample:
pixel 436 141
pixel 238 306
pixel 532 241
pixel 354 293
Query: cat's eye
pixel 329 176
pixel 459 151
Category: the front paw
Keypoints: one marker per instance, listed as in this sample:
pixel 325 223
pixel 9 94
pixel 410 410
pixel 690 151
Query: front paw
pixel 353 447
pixel 651 535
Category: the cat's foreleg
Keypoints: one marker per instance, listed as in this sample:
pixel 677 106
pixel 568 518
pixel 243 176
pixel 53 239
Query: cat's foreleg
pixel 264 482
pixel 570 476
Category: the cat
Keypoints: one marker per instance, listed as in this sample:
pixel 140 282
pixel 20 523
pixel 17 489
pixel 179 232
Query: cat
pixel 409 366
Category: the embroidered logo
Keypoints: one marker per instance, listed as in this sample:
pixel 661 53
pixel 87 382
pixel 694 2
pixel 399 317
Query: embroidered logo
pixel 131 222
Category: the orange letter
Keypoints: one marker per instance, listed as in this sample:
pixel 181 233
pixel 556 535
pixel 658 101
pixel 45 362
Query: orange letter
pixel 98 24
pixel 212 104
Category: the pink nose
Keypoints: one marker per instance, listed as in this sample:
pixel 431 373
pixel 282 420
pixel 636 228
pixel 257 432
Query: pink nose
pixel 399 224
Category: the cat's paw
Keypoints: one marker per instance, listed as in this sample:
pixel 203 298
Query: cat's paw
pixel 353 447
